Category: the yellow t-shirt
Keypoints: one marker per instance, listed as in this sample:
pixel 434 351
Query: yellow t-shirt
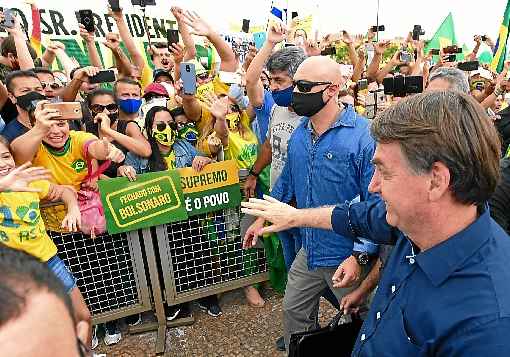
pixel 169 160
pixel 206 117
pixel 242 150
pixel 68 167
pixel 21 225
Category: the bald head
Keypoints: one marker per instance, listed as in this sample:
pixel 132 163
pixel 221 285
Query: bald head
pixel 319 69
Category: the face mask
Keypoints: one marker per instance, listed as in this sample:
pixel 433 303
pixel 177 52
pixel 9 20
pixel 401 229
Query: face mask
pixel 165 137
pixel 189 133
pixel 203 90
pixel 28 101
pixel 233 120
pixel 308 104
pixel 283 98
pixel 130 106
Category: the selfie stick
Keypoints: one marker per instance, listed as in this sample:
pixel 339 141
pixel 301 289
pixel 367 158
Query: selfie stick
pixel 142 6
pixel 377 22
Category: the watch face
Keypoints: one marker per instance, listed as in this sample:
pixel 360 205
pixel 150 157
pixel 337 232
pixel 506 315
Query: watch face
pixel 363 259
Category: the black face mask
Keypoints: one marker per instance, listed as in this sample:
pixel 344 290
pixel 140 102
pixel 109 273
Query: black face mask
pixel 28 101
pixel 308 104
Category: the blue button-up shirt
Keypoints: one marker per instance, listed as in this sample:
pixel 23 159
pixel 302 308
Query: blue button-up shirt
pixel 334 168
pixel 450 300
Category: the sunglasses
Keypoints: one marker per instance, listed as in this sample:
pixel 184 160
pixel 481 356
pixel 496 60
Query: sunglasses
pixel 306 86
pixel 162 126
pixel 53 85
pixel 98 108
pixel 203 76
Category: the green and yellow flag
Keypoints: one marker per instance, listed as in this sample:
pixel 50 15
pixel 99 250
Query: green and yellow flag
pixel 498 60
pixel 444 36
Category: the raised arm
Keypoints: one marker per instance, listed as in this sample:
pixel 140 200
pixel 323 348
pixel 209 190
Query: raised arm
pixel 128 40
pixel 80 75
pixel 90 42
pixel 22 53
pixel 373 67
pixel 347 39
pixel 276 34
pixel 219 108
pixel 187 39
pixel 360 65
pixel 202 28
pixel 112 41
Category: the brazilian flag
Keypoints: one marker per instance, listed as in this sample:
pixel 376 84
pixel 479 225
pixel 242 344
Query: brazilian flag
pixel 498 60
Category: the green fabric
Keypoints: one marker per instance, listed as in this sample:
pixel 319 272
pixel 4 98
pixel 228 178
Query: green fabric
pixel 444 36
pixel 498 61
pixel 275 263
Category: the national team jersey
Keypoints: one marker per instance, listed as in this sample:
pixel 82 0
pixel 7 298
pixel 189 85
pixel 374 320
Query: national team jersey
pixel 242 150
pixel 69 166
pixel 21 225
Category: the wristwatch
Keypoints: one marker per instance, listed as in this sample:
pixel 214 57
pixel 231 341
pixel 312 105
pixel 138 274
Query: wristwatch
pixel 253 173
pixel 361 257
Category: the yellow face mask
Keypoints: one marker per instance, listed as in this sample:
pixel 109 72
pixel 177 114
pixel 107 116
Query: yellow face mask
pixel 203 90
pixel 165 136
pixel 233 120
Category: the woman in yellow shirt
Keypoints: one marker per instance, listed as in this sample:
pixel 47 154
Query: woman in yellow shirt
pixel 22 227
pixel 232 127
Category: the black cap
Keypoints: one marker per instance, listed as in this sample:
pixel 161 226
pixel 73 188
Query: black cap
pixel 161 72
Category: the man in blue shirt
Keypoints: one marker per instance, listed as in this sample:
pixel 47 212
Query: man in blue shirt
pixel 328 160
pixel 444 290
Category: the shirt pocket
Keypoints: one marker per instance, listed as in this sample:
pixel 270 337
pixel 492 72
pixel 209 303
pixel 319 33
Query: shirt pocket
pixel 402 339
pixel 334 166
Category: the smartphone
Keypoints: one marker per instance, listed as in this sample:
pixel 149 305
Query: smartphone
pixel 362 84
pixel 9 16
pixel 230 77
pixel 405 57
pixel 294 14
pixel 468 66
pixel 104 76
pixel 172 36
pixel 328 51
pixel 143 2
pixel 379 28
pixel 434 51
pixel 87 19
pixel 189 79
pixel 114 4
pixel 246 26
pixel 259 38
pixel 289 45
pixel 484 38
pixel 68 110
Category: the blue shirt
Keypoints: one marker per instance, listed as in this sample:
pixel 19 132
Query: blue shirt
pixel 261 123
pixel 13 129
pixel 334 168
pixel 451 300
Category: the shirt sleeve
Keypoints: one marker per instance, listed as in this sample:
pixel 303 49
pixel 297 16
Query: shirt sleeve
pixel 42 185
pixel 490 339
pixel 364 219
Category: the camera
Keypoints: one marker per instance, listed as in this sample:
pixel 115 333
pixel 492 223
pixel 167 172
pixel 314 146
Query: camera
pixel 417 32
pixel 405 57
pixel 379 28
pixel 453 49
pixel 400 86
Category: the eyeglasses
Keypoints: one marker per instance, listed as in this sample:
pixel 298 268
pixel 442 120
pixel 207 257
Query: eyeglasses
pixel 162 126
pixel 98 108
pixel 52 85
pixel 203 76
pixel 306 86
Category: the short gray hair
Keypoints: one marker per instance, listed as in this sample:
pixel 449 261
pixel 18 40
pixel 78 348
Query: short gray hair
pixel 287 59
pixel 457 79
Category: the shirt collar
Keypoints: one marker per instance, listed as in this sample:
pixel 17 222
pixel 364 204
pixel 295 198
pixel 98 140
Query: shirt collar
pixel 439 262
pixel 346 117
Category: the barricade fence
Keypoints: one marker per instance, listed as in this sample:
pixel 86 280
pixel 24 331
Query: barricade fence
pixel 197 257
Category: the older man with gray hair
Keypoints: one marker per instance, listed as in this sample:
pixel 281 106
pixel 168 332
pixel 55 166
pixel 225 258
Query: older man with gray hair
pixel 448 78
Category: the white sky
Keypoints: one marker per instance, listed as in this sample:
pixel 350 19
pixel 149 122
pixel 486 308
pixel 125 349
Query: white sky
pixel 399 16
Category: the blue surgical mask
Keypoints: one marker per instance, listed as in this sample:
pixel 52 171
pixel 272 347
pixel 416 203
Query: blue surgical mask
pixel 283 97
pixel 130 106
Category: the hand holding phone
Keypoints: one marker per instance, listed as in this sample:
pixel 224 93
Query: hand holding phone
pixel 103 76
pixel 67 110
pixel 87 20
pixel 172 36
pixel 9 18
pixel 115 6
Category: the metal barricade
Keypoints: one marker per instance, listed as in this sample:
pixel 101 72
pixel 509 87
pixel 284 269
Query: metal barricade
pixel 203 255
pixel 109 270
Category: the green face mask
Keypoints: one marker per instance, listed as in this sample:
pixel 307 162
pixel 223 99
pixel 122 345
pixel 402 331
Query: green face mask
pixel 233 120
pixel 164 134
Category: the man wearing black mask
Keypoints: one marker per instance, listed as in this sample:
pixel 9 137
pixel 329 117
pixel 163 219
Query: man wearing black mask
pixel 328 161
pixel 25 90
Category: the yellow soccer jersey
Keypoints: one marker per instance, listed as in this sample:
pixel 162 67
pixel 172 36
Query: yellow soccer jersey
pixel 21 225
pixel 69 166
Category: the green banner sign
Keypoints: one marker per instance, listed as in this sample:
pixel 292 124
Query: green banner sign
pixel 168 196
pixel 154 199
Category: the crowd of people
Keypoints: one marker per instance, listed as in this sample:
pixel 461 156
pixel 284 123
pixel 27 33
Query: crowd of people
pixel 368 182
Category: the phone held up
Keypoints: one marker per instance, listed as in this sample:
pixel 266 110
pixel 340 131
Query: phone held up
pixel 189 79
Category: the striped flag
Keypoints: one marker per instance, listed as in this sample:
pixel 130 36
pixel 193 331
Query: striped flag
pixel 35 38
pixel 279 9
pixel 498 60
